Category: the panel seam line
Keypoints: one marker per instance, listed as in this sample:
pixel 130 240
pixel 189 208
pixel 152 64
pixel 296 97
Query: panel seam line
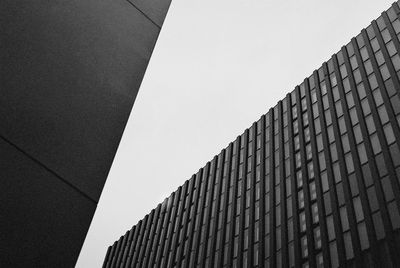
pixel 48 169
pixel 144 14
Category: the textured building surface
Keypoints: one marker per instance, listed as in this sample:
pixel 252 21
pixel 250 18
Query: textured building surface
pixel 313 183
pixel 70 72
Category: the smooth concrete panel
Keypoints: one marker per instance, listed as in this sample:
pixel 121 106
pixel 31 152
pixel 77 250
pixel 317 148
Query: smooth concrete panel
pixel 43 221
pixel 70 72
pixel 156 10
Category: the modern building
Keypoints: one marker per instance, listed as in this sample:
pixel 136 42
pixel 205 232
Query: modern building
pixel 70 72
pixel 315 182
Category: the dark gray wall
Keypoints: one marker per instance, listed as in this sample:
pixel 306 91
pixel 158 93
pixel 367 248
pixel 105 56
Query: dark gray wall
pixel 70 72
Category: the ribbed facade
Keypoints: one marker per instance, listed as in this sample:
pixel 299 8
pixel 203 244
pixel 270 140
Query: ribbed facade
pixel 313 183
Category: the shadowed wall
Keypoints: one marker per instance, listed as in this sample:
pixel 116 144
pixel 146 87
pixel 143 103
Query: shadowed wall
pixel 70 72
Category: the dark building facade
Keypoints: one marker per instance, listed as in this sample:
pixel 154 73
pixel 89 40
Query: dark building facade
pixel 70 72
pixel 313 183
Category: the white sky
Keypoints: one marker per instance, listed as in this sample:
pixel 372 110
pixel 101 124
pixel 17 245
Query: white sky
pixel 217 67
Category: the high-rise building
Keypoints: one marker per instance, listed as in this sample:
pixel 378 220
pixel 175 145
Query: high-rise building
pixel 315 182
pixel 70 72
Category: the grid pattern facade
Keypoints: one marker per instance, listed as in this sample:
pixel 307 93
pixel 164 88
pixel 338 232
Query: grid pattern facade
pixel 313 183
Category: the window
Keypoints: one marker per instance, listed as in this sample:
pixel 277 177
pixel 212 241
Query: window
pixel 376 146
pixel 301 199
pixel 378 97
pixel 387 189
pixel 389 134
pixel 324 180
pixel 391 48
pixel 353 185
pixel 372 81
pixel 368 67
pixel 370 124
pixel 383 115
pixel 373 200
pixel 358 209
pixel 348 246
pixel 349 163
pixel 333 255
pixel 327 203
pixel 313 191
pixel 361 91
pixel 394 215
pixel 379 229
pixel 364 53
pixel 353 116
pixel 344 219
pixel 350 100
pixel 314 210
pixel 384 72
pixel 304 249
pixel 331 228
pixel 362 232
pixel 317 237
pixel 340 193
pixel 345 143
pixel 375 44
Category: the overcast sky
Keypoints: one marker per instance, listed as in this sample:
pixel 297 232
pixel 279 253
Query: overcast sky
pixel 217 67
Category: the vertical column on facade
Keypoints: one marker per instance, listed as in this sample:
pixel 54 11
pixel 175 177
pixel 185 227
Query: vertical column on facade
pixel 346 211
pixel 307 241
pixel 126 250
pixel 185 221
pixel 357 190
pixel 392 130
pixel 206 214
pixel 145 238
pixel 220 194
pixel 252 148
pixel 232 226
pixel 107 257
pixel 135 243
pixel 271 188
pixel 355 179
pixel 157 237
pixel 112 250
pixel 121 250
pixel 369 169
pixel 317 209
pixel 261 130
pixel 160 249
pixel 294 244
pixel 130 246
pixel 282 178
pixel 132 250
pixel 396 8
pixel 220 243
pixel 393 84
pixel 194 205
pixel 171 228
pixel 242 212
pixel 149 245
pixel 336 242
pixel 178 224
pixel 390 18
pixel 117 250
pixel 138 242
pixel 380 137
pixel 210 205
pixel 199 217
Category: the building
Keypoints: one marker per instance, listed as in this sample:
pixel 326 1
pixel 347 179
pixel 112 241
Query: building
pixel 70 72
pixel 315 182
